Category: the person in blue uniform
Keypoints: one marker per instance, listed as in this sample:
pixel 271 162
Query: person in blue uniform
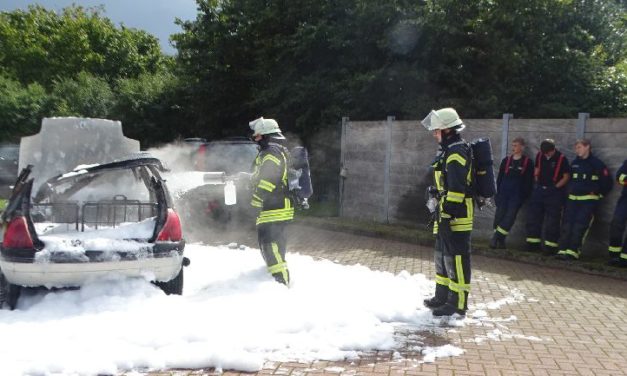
pixel 514 183
pixel 590 181
pixel 618 243
pixel 551 174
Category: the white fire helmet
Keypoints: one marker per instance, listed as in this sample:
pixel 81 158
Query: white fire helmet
pixel 443 118
pixel 263 126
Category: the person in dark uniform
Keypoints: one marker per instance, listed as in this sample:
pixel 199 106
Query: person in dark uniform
pixel 618 243
pixel 551 174
pixel 590 181
pixel 452 171
pixel 271 195
pixel 514 183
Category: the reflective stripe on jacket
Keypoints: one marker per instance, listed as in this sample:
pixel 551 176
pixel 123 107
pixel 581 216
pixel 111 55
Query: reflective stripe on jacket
pixel 270 185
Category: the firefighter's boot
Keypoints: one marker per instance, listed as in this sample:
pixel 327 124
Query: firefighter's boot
pixel 448 310
pixel 497 241
pixel 441 293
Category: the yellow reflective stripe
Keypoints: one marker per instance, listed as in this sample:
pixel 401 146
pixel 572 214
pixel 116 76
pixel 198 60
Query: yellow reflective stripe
pixel 551 244
pixel 534 240
pixel 461 228
pixel 438 180
pixel 623 256
pixel 455 196
pixel 570 252
pixel 256 203
pixel 501 230
pixel 271 158
pixel 275 251
pixel 255 197
pixel 595 177
pixel 622 178
pixel 457 158
pixel 264 184
pixel 615 249
pixel 442 280
pixel 575 175
pixel 583 197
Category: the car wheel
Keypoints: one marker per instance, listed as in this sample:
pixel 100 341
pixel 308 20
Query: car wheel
pixel 173 286
pixel 9 293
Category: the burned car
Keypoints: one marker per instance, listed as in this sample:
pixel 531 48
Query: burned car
pixel 94 222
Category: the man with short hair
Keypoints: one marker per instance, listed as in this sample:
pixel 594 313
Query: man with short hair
pixel 514 183
pixel 590 181
pixel 551 174
pixel 271 195
pixel 453 181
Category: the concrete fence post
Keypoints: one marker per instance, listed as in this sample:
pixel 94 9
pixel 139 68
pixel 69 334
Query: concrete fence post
pixel 505 135
pixel 342 172
pixel 386 169
pixel 581 124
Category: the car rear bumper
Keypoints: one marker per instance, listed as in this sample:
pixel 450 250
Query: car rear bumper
pixel 24 271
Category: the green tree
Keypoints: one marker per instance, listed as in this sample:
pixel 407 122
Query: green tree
pixel 83 96
pixel 21 108
pixel 40 45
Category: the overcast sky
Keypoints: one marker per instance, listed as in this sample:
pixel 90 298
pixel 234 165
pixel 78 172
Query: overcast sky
pixel 155 16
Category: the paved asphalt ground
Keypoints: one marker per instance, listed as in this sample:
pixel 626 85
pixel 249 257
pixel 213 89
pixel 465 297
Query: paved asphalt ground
pixel 566 322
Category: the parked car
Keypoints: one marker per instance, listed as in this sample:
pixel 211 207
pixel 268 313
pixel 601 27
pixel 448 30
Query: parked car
pixel 93 222
pixel 9 158
pixel 221 162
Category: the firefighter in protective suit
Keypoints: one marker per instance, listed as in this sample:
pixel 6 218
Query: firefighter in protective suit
pixel 618 244
pixel 452 170
pixel 271 195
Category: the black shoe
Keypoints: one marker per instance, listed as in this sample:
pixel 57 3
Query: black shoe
pixel 433 302
pixel 565 257
pixel 533 247
pixel 448 310
pixel 613 261
pixel 494 242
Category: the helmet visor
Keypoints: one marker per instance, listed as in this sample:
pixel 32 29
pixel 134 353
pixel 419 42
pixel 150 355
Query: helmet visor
pixel 432 121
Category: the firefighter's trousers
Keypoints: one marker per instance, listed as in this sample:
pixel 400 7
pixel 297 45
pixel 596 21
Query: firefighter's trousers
pixel 452 266
pixel 578 217
pixel 618 243
pixel 505 216
pixel 544 208
pixel 273 243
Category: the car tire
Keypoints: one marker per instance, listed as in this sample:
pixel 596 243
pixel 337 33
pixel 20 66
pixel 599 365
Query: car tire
pixel 9 293
pixel 173 286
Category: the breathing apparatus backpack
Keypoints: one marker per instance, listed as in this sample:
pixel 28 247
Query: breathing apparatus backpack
pixel 484 184
pixel 299 178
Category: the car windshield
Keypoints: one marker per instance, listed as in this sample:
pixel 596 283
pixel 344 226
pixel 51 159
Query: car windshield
pixel 229 157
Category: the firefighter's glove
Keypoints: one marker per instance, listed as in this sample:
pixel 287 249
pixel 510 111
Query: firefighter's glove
pixel 454 209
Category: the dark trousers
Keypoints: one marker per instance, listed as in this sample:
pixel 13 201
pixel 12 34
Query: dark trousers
pixel 452 266
pixel 578 217
pixel 618 243
pixel 505 216
pixel 544 212
pixel 273 243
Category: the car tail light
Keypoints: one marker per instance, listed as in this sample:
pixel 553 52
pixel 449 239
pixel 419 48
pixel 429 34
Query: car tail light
pixel 17 235
pixel 171 231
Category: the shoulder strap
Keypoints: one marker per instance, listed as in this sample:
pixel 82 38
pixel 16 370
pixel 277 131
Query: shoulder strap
pixel 536 173
pixel 525 164
pixel 507 163
pixel 558 167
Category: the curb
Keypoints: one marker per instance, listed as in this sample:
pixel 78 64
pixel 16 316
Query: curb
pixel 422 237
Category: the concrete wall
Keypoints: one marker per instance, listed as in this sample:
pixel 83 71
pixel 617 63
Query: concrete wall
pixel 388 161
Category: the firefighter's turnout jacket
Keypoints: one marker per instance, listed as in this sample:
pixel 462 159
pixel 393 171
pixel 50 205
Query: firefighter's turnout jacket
pixel 270 185
pixel 453 178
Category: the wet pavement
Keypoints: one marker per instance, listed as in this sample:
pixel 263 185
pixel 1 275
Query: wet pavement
pixel 524 319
